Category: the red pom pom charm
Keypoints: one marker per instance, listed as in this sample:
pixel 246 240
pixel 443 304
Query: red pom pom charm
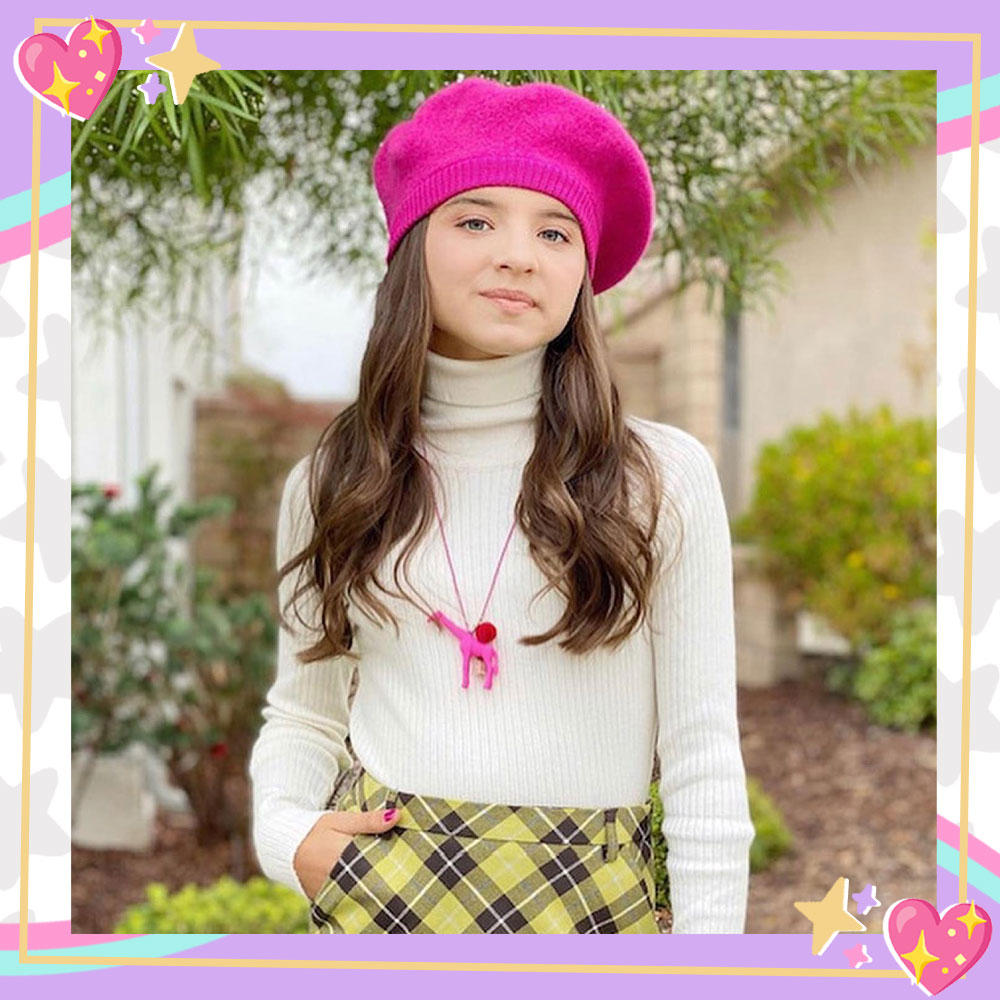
pixel 486 632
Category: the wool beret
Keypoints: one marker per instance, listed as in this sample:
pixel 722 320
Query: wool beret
pixel 478 132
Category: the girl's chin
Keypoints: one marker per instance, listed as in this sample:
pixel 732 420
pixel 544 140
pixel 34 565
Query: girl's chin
pixel 502 338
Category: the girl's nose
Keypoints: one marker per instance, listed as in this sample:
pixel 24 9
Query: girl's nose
pixel 517 252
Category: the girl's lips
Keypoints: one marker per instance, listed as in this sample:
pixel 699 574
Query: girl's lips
pixel 510 305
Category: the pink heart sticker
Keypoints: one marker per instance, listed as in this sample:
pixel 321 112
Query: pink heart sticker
pixel 74 75
pixel 936 950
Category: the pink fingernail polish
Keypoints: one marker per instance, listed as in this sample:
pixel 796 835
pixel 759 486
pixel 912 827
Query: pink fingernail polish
pixel 389 815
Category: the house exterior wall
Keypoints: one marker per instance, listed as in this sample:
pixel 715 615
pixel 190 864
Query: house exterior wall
pixel 857 319
pixel 132 398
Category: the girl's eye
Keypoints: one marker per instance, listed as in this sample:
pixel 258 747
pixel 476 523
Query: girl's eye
pixel 562 236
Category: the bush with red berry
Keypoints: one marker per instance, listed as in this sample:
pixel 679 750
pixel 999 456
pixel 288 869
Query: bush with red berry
pixel 159 654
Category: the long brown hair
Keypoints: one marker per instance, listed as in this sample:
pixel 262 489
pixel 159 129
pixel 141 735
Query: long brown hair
pixel 590 492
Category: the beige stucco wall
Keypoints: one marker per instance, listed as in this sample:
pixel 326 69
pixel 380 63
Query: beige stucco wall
pixel 857 316
pixel 667 360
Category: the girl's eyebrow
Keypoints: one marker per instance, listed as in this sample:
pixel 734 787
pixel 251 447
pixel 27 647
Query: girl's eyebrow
pixel 551 213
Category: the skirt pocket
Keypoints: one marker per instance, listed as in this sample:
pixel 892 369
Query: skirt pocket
pixel 347 890
pixel 344 869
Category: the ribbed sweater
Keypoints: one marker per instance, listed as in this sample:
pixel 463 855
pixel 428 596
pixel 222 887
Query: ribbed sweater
pixel 556 729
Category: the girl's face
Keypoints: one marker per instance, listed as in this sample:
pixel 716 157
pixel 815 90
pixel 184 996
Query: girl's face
pixel 491 240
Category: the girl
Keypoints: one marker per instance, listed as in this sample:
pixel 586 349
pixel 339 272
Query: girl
pixel 513 685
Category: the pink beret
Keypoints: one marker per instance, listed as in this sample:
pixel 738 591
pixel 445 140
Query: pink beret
pixel 478 132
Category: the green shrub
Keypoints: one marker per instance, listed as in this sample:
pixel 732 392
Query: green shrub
pixel 160 654
pixel 843 515
pixel 257 906
pixel 772 836
pixel 896 681
pixel 659 850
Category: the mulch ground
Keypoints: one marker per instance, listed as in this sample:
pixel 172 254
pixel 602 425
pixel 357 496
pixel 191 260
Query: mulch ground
pixel 860 802
pixel 106 883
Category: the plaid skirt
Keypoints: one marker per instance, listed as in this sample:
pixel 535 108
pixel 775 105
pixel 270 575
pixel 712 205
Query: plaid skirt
pixel 452 866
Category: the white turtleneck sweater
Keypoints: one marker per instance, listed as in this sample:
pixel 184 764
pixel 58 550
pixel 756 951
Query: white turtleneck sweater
pixel 556 728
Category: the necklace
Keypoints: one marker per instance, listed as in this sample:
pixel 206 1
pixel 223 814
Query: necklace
pixel 475 643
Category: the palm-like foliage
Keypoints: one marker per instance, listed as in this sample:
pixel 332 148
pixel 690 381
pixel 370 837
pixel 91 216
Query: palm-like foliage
pixel 160 191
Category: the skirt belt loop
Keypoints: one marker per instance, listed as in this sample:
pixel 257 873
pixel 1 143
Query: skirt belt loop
pixel 390 798
pixel 610 835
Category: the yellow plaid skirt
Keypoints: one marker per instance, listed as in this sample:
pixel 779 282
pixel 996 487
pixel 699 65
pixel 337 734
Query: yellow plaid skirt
pixel 458 867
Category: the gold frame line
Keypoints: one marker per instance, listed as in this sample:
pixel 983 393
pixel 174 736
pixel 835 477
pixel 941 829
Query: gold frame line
pixel 530 29
pixel 24 957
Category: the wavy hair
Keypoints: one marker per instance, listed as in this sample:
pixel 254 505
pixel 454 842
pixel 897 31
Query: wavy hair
pixel 590 493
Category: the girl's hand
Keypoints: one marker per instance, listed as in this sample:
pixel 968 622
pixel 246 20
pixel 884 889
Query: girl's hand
pixel 324 843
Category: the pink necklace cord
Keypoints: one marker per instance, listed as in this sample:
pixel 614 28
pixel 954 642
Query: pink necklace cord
pixel 451 565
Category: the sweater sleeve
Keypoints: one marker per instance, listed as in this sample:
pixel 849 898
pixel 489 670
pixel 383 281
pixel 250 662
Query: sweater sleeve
pixel 301 747
pixel 706 815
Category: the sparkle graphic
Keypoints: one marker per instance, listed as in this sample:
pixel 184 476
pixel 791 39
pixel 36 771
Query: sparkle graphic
pixel 865 899
pixel 970 919
pixel 152 88
pixel 857 956
pixel 182 63
pixel 60 87
pixel 97 35
pixel 829 916
pixel 919 957
pixel 145 31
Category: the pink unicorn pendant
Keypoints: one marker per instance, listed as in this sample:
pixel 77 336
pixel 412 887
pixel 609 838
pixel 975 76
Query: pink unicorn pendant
pixel 477 644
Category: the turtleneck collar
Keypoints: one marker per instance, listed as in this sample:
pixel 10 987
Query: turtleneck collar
pixel 481 412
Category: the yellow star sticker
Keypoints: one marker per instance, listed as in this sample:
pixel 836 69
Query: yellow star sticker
pixel 829 915
pixel 60 86
pixel 919 957
pixel 182 63
pixel 96 35
pixel 970 919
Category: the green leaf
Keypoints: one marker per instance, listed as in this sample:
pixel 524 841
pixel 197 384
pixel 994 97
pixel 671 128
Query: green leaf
pixel 245 80
pixel 232 84
pixel 170 110
pixel 215 102
pixel 88 127
pixel 123 102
